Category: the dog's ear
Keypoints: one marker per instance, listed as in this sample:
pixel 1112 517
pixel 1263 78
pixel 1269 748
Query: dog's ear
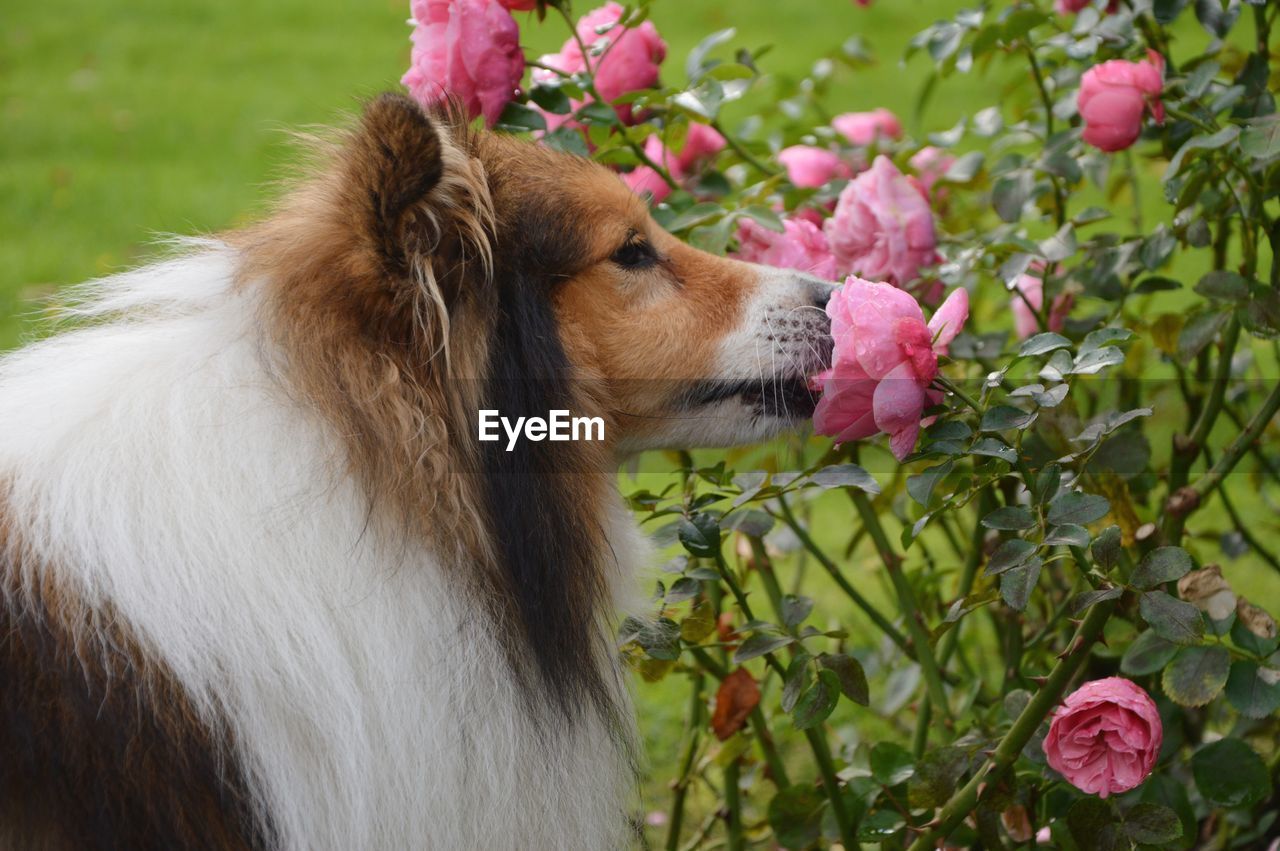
pixel 423 200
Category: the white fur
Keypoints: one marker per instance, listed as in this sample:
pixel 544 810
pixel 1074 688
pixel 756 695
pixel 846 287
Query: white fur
pixel 155 460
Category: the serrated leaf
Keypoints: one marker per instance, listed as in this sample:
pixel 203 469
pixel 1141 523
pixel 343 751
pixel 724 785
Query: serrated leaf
pixel 760 644
pixel 993 448
pixel 1148 654
pixel 1107 547
pixel 1161 565
pixel 921 486
pixel 1006 417
pixel 845 476
pixel 1017 584
pixel 1230 773
pixel 817 702
pixel 1198 333
pixel 891 764
pixel 700 535
pixel 1223 285
pixel 1093 362
pixel 1261 139
pixel 1010 554
pixel 795 815
pixel 852 677
pixel 1082 602
pixel 1253 690
pixel 1172 619
pixel 1067 535
pixel 1196 675
pixel 795 608
pixel 1009 518
pixel 1095 826
pixel 1078 508
pixel 1152 824
pixel 1042 344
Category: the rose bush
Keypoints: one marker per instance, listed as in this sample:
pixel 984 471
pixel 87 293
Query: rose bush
pixel 1039 611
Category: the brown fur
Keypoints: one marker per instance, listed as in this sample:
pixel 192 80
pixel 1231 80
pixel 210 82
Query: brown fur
pixel 101 747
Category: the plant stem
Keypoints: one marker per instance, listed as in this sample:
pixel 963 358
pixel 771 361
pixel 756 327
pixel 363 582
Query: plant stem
pixel 1006 753
pixel 822 753
pixel 742 151
pixel 733 805
pixel 906 601
pixel 1238 447
pixel 692 735
pixel 1059 201
pixel 860 601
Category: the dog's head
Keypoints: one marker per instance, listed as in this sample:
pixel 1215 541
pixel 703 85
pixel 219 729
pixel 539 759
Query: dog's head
pixel 432 271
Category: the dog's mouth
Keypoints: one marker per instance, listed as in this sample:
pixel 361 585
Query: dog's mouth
pixel 787 397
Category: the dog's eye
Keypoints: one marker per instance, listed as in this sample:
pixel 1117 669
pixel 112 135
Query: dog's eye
pixel 635 253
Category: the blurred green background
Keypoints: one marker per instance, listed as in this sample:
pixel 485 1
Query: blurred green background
pixel 128 120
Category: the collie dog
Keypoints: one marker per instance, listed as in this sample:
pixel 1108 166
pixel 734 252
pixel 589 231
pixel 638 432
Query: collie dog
pixel 265 588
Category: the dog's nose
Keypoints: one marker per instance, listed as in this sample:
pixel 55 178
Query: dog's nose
pixel 820 292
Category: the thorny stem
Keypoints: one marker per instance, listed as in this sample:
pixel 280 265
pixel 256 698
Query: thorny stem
pixel 1006 753
pixel 1060 207
pixel 906 601
pixel 693 732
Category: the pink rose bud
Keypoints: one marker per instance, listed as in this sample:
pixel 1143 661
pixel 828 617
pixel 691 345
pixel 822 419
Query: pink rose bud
pixel 882 228
pixel 863 128
pixel 700 146
pixel 465 49
pixel 644 180
pixel 1113 97
pixel 623 59
pixel 884 359
pixel 1071 6
pixel 809 167
pixel 1105 737
pixel 1024 318
pixel 931 164
pixel 802 245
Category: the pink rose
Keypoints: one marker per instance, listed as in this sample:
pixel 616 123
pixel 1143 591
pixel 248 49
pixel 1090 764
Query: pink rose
pixel 467 49
pixel 801 245
pixel 1113 97
pixel 863 128
pixel 1070 6
pixel 882 228
pixel 885 358
pixel 623 59
pixel 1105 737
pixel 643 179
pixel 700 146
pixel 520 5
pixel 1024 319
pixel 809 167
pixel 930 164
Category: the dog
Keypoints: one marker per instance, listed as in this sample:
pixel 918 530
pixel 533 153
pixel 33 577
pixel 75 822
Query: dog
pixel 263 585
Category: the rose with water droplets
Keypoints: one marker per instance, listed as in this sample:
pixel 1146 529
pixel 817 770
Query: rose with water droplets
pixel 1105 737
pixel 468 50
pixel 884 359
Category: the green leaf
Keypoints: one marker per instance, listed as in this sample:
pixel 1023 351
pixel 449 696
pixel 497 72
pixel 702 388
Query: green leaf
pixel 1005 417
pixel 697 59
pixel 936 777
pixel 1228 772
pixel 1010 554
pixel 921 486
pixel 1094 361
pixel 796 680
pixel 795 609
pixel 568 140
pixel 1161 565
pixel 845 476
pixel 1172 619
pixel 1107 547
pixel 1078 508
pixel 1196 675
pixel 760 644
pixel 700 535
pixel 1088 599
pixel 1095 826
pixel 795 815
pixel 1009 195
pixel 1152 824
pixel 764 217
pixel 965 168
pixel 1199 332
pixel 891 764
pixel 1067 535
pixel 1042 344
pixel 1261 139
pixel 1010 518
pixel 660 638
pixel 1148 654
pixel 1017 584
pixel 1223 285
pixel 516 117
pixel 817 702
pixel 1253 690
pixel 848 670
pixel 698 214
pixel 1200 143
pixel 993 448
